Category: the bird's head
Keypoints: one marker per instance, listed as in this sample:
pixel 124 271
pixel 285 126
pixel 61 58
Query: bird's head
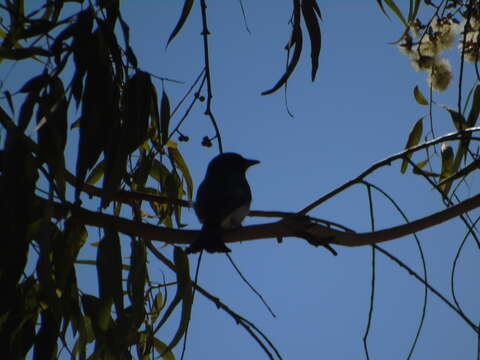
pixel 230 162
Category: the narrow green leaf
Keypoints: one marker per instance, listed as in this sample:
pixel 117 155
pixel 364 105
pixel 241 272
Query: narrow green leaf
pixel 46 337
pixel 96 174
pixel 182 269
pixel 142 170
pixel 391 4
pixel 475 110
pixel 180 163
pixel 137 278
pixel 448 167
pixel 162 348
pixel 160 173
pixel 412 13
pixel 413 140
pixel 419 96
pixel 296 38
pixel 138 98
pixel 8 96
pixel 380 4
pixel 26 111
pixel 187 6
pixel 419 166
pixel 96 121
pixel 99 312
pixel 20 54
pixel 180 263
pixel 473 166
pixel 457 118
pixel 158 305
pixel 52 136
pixel 109 269
pixel 155 135
pixel 35 84
pixel 165 118
pixel 313 28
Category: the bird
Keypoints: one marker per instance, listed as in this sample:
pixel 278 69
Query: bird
pixel 222 201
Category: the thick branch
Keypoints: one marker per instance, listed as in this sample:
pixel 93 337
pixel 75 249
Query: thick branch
pixel 288 227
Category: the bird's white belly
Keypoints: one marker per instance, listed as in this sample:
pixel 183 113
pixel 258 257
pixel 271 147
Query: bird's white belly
pixel 235 218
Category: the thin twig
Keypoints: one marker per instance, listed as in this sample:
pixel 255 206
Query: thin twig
pixel 195 98
pixel 372 282
pixel 246 324
pixel 447 201
pixel 454 265
pixel 244 16
pixel 458 135
pixel 208 111
pixel 250 285
pixel 424 268
pixel 432 289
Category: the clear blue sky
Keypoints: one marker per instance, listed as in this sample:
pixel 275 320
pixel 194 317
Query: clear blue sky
pixel 359 110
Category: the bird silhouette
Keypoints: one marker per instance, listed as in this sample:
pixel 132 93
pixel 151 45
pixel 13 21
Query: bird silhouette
pixel 223 200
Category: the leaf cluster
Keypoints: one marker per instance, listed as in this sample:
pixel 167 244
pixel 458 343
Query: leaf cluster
pixel 124 141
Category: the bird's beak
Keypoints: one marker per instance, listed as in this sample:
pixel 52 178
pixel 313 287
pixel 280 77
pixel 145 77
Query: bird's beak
pixel 249 162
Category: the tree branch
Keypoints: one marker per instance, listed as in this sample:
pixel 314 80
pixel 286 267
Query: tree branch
pixel 288 227
pixel 458 135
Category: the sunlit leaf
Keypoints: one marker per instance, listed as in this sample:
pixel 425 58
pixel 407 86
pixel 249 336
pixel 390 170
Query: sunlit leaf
pixel 96 174
pixel 419 96
pixel 448 167
pixel 158 305
pixel 413 140
pixel 162 349
pixel 473 166
pixel 457 118
pixel 159 172
pixel 180 163
pixel 475 109
pixel 99 311
pixel 417 169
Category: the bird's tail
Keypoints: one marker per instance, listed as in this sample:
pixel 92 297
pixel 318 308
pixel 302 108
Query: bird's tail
pixel 210 239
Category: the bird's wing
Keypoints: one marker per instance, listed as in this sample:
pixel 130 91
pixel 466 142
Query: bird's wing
pixel 217 203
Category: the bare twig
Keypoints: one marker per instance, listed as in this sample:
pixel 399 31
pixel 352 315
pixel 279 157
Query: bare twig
pixel 372 282
pixel 208 111
pixel 257 334
pixel 424 268
pixel 432 289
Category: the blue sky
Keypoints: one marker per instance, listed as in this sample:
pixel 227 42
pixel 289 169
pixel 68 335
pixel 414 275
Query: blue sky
pixel 360 110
